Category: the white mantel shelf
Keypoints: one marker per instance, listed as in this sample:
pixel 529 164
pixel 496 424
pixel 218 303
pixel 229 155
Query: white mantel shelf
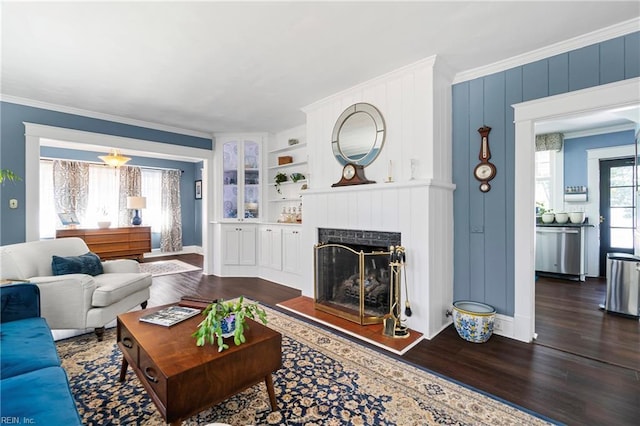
pixel 381 186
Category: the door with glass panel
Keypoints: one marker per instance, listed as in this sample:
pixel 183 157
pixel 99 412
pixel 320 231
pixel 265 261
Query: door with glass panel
pixel 241 179
pixel 617 208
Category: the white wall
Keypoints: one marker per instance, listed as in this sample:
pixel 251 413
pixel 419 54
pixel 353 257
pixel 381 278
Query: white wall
pixel 415 102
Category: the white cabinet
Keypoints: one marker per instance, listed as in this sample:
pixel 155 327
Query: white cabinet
pixel 239 245
pixel 291 250
pixel 241 177
pixel 271 247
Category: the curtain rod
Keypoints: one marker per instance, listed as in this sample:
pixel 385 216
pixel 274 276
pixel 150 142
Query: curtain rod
pixel 98 163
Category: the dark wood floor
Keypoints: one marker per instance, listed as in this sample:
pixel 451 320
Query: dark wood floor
pixel 563 386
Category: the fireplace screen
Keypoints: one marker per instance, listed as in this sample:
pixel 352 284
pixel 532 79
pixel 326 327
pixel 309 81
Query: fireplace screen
pixel 352 282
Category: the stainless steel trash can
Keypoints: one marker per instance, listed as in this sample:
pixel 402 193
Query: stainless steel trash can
pixel 623 284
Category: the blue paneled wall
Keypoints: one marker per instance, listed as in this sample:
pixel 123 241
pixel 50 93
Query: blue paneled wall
pixel 12 154
pixel 575 153
pixel 484 223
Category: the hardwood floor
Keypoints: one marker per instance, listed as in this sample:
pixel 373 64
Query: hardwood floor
pixel 563 386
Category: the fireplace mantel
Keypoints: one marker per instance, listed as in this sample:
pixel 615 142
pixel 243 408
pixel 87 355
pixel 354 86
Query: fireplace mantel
pixel 381 186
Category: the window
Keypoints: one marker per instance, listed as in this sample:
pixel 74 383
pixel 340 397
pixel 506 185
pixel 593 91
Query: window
pixel 152 189
pixel 103 198
pixel 543 169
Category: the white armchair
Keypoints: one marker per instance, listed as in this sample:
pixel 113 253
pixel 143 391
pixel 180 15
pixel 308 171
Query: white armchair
pixel 76 301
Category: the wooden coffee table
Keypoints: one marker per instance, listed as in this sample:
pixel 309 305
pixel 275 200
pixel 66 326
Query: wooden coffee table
pixel 184 379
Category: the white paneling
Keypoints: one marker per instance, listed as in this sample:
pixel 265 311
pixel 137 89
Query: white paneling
pixel 418 127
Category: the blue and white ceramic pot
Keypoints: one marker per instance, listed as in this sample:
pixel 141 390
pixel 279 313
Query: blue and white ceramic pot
pixel 473 320
pixel 228 326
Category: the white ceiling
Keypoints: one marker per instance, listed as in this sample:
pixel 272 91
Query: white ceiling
pixel 250 66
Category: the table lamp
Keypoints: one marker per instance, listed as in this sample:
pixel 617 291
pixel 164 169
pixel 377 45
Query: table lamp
pixel 137 203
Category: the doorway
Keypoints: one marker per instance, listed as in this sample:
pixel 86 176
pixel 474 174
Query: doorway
pixel 617 208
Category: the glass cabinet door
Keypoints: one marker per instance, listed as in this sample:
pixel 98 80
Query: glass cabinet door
pixel 251 180
pixel 241 179
pixel 230 180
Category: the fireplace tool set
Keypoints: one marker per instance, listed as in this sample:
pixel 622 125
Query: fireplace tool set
pixel 392 322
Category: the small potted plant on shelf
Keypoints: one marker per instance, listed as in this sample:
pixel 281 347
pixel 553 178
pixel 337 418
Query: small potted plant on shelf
pixel 279 178
pixel 226 319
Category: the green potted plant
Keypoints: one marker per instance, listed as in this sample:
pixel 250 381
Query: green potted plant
pixel 279 178
pixel 295 177
pixel 226 319
pixel 6 174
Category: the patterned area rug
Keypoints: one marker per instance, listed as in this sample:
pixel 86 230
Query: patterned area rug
pixel 167 267
pixel 325 380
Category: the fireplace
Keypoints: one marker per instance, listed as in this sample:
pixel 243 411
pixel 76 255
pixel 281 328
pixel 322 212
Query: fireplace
pixel 352 276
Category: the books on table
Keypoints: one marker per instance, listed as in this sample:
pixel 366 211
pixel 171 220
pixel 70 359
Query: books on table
pixel 170 315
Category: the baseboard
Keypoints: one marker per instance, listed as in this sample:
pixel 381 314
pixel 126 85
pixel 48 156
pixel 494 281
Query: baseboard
pixel 185 250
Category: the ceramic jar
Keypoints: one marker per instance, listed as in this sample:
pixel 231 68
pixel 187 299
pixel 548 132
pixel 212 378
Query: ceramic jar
pixel 473 320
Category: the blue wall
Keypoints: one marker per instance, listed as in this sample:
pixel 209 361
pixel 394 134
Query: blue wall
pixel 575 153
pixel 191 217
pixel 12 152
pixel 484 223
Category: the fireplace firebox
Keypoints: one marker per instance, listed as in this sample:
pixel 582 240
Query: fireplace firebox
pixel 352 274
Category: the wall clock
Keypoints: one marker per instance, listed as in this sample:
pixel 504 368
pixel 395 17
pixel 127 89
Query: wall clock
pixel 484 171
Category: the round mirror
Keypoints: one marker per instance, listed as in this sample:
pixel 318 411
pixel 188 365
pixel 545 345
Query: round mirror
pixel 358 135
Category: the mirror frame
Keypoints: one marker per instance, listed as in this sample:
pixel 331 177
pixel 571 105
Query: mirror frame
pixel 378 138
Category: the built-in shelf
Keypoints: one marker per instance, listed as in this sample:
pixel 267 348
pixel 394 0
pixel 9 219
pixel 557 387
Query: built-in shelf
pixel 280 200
pixel 288 148
pixel 280 166
pixel 290 182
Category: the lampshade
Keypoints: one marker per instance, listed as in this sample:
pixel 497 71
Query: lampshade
pixel 137 203
pixel 114 159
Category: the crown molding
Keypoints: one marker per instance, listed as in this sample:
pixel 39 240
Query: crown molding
pixel 599 131
pixel 101 116
pixel 598 36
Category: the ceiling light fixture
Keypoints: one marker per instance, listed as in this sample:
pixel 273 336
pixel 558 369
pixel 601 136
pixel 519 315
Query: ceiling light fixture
pixel 114 159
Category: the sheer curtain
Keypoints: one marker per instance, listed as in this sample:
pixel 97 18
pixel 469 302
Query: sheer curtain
pixel 171 228
pixel 103 196
pixel 152 190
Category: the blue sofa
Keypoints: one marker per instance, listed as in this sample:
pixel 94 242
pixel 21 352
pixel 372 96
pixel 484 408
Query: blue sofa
pixel 33 386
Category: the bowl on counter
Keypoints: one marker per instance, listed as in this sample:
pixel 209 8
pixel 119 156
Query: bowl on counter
pixel 548 217
pixel 576 217
pixel 562 217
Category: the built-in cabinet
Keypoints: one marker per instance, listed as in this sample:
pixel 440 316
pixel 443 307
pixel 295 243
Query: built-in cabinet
pixel 239 244
pixel 241 178
pixel 271 247
pixel 279 255
pixel 248 240
pixel 291 250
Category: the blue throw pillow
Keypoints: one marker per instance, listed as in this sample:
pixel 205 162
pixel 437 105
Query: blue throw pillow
pixel 88 263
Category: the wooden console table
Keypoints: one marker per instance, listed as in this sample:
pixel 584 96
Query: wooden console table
pixel 113 243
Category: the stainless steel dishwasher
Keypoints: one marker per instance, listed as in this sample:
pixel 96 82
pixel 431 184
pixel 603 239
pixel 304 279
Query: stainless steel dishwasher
pixel 560 250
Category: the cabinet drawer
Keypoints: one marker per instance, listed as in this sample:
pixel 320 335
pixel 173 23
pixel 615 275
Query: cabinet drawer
pixel 153 376
pixel 128 344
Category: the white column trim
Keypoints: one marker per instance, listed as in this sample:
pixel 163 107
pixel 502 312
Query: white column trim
pixel 609 96
pixel 37 135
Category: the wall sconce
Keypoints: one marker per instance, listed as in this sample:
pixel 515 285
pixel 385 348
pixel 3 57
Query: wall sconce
pixel 114 159
pixel 136 203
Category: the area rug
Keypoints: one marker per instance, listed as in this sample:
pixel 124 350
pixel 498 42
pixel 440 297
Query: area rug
pixel 324 380
pixel 167 267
